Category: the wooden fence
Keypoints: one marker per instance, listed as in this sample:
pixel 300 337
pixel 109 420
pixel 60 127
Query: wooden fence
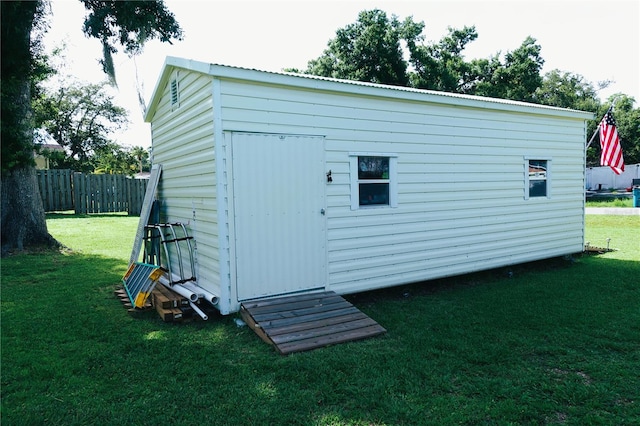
pixel 65 190
pixel 56 190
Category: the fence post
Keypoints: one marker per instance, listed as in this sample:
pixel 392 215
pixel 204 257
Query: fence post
pixel 68 189
pixel 77 193
pixel 42 186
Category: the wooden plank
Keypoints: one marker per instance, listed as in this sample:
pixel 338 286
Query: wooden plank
pixel 284 322
pixel 135 194
pixel 78 193
pixel 67 190
pixel 122 295
pixel 170 315
pixel 253 304
pixel 301 312
pixel 175 299
pixel 308 325
pixel 302 304
pixel 50 193
pixel 332 339
pixel 246 317
pixel 321 330
pixel 149 196
pixel 162 301
pixel 305 322
pixel 101 193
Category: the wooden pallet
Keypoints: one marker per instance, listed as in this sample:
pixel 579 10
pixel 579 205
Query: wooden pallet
pixel 307 321
pixel 122 295
pixel 170 306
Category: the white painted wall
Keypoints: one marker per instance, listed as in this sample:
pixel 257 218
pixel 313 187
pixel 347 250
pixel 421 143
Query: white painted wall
pixel 605 178
pixel 461 173
pixel 183 143
pixel 461 203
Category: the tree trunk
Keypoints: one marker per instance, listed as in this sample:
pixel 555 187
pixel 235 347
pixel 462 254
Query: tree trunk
pixel 23 219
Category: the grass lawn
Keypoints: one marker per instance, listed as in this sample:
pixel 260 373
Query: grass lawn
pixel 554 342
pixel 610 202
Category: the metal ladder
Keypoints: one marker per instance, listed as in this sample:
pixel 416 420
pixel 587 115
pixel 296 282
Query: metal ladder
pixel 165 235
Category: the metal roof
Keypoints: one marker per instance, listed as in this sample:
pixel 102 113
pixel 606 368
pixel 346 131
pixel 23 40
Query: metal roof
pixel 351 86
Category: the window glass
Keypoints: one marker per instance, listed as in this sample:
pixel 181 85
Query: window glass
pixel 373 167
pixel 374 194
pixel 537 178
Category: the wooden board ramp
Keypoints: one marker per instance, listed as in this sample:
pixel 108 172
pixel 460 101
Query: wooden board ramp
pixel 307 321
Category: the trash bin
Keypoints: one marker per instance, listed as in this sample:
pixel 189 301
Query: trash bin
pixel 636 197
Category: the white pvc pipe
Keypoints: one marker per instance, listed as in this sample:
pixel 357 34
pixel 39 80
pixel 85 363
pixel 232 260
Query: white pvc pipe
pixel 206 295
pixel 189 285
pixel 201 292
pixel 185 292
pixel 182 291
pixel 189 289
pixel 198 311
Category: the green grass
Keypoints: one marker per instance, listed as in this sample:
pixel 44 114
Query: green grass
pixel 611 202
pixel 556 343
pixel 109 235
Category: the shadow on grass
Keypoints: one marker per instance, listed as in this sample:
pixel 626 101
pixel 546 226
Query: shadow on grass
pixel 72 215
pixel 463 281
pixel 552 340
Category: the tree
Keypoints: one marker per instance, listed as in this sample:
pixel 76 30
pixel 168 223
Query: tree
pixel 441 66
pixel 114 159
pixel 567 90
pixel 79 117
pixel 371 49
pixel 23 220
pixel 128 24
pixel 517 78
pixel 368 50
pixel 628 126
pixel 142 157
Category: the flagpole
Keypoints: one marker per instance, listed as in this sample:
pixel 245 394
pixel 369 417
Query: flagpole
pixel 597 129
pixel 592 137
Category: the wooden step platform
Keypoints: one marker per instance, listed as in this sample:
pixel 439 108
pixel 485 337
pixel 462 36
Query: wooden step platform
pixel 307 321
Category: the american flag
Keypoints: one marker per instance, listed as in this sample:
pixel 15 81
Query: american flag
pixel 610 143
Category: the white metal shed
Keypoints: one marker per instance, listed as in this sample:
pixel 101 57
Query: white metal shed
pixel 294 183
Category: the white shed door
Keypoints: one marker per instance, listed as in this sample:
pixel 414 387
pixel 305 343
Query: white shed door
pixel 279 201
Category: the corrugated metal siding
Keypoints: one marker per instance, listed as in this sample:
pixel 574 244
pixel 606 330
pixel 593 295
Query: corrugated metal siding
pixel 461 191
pixel 183 142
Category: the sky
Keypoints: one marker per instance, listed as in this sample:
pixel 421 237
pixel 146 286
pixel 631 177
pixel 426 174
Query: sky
pixel 599 40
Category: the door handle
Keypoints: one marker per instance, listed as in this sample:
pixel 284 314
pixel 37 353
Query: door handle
pixel 323 212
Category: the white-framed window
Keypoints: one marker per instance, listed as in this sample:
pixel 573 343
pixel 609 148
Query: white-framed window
pixel 537 177
pixel 374 181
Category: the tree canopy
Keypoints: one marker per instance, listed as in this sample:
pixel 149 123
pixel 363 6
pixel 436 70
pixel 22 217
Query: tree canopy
pixel 114 23
pixel 129 24
pixel 79 117
pixel 382 49
pixel 367 50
